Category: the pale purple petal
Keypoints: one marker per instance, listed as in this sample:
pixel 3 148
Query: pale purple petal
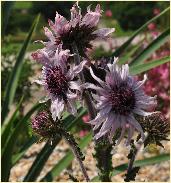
pixel 130 134
pixel 49 34
pixel 135 123
pixel 42 57
pixel 71 107
pixel 103 33
pixel 57 107
pixel 102 83
pixel 142 112
pixel 74 85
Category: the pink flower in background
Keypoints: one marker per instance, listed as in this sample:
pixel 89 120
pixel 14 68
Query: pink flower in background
pixel 108 13
pixel 151 26
pixel 82 133
pixel 154 34
pixel 156 11
pixel 159 81
pixel 86 118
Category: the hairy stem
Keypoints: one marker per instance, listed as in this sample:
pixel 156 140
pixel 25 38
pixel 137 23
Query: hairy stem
pixel 76 151
pixel 130 168
pixel 104 160
pixel 87 97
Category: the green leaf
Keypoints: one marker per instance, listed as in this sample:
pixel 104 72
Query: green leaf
pixel 154 45
pixel 6 129
pixel 125 58
pixel 7 151
pixel 127 43
pixel 147 66
pixel 14 76
pixel 145 162
pixel 65 161
pixel 6 11
pixel 47 150
pixel 16 157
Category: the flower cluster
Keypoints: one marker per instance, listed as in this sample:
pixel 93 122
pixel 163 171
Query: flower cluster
pixel 117 96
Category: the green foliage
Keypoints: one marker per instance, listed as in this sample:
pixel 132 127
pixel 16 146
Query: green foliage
pixel 145 162
pixel 7 150
pixel 14 76
pixel 147 66
pixel 154 45
pixel 125 45
pixel 131 15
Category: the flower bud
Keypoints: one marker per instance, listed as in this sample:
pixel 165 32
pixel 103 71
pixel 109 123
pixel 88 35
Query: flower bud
pixel 42 125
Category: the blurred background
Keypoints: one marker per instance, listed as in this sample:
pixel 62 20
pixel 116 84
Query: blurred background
pixel 125 17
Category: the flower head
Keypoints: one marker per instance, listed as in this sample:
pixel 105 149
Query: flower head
pixel 79 30
pixel 58 81
pixel 118 98
pixel 42 125
pixel 157 127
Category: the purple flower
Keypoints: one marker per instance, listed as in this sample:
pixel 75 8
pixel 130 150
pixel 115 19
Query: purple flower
pixel 79 30
pixel 41 124
pixel 57 80
pixel 118 98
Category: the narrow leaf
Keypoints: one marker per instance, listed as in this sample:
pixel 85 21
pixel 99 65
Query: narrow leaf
pixel 16 157
pixel 147 66
pixel 154 45
pixel 6 129
pixel 127 43
pixel 145 162
pixel 6 159
pixel 15 74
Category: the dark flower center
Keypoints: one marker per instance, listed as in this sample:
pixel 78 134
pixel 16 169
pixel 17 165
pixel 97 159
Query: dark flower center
pixel 122 99
pixel 81 35
pixel 56 82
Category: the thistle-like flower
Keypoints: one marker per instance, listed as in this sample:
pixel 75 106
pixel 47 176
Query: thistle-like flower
pixel 42 125
pixel 79 30
pixel 157 127
pixel 58 81
pixel 118 98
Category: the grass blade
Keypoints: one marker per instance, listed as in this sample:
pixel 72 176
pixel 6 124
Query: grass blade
pixel 14 76
pixel 145 162
pixel 16 157
pixel 65 161
pixel 154 45
pixel 6 129
pixel 147 66
pixel 126 44
pixel 6 159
